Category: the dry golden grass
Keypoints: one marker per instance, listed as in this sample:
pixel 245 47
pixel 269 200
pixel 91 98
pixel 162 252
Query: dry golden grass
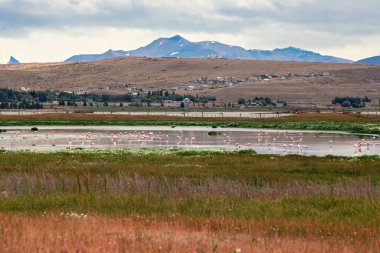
pixel 153 74
pixel 300 92
pixel 61 233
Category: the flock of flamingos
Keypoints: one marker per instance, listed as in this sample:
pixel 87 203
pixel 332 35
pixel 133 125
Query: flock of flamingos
pixel 271 141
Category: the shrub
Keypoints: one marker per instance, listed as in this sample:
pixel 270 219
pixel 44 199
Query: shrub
pixel 247 152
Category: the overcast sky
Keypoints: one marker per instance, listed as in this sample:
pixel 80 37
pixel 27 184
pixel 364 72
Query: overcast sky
pixel 53 30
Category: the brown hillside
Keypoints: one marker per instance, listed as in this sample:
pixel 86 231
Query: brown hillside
pixel 152 74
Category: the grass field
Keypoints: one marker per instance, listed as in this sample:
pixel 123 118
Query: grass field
pixel 187 201
pixel 98 233
pixel 308 121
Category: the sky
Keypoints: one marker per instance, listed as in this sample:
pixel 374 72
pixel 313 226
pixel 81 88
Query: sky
pixel 54 30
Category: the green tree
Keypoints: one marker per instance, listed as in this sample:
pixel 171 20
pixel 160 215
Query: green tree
pixel 241 101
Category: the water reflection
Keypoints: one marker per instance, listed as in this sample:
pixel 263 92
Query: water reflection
pixel 262 141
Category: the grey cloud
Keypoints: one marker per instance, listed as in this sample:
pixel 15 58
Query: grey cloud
pixel 23 14
pixel 343 17
pixel 212 16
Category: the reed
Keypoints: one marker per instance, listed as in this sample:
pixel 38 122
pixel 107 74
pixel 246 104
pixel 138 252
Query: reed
pixel 101 201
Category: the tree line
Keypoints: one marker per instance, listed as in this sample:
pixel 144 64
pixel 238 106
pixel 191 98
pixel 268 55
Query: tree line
pixel 12 99
pixel 263 101
pixel 354 102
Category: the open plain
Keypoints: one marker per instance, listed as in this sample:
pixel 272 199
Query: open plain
pixel 155 74
pixel 176 196
pixel 189 126
pixel 189 200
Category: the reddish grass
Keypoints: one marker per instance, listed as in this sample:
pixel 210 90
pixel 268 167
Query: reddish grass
pixel 57 233
pixel 312 117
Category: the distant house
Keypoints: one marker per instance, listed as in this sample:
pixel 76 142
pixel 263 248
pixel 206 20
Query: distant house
pixel 179 88
pixel 25 89
pixel 253 79
pixel 205 87
pixel 311 74
pixel 186 100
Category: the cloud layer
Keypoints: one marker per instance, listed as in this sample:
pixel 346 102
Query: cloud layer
pixel 313 24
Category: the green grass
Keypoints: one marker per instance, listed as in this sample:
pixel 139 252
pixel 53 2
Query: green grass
pixel 323 209
pixel 353 123
pixel 352 127
pixel 197 164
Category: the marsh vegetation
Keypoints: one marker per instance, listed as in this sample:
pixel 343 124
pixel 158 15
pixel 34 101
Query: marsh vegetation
pixel 189 200
pixel 303 196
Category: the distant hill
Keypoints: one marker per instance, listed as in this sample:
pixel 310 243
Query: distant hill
pixel 372 60
pixel 295 54
pixel 13 61
pixel 95 57
pixel 180 47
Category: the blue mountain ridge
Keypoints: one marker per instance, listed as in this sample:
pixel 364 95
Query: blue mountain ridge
pixel 13 61
pixel 372 60
pixel 180 47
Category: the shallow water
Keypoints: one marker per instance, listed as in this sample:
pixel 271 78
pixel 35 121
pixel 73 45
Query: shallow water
pixel 263 141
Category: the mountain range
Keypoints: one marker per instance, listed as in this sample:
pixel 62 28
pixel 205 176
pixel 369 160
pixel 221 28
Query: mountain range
pixel 180 47
pixel 13 61
pixel 372 60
